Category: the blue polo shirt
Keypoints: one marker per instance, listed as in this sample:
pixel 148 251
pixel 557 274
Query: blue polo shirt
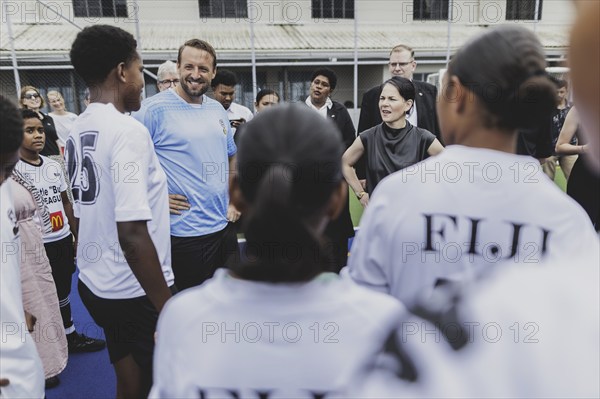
pixel 193 143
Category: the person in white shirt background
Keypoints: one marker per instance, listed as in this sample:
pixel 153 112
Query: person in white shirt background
pixel 277 325
pixel 223 86
pixel 167 76
pixel 63 119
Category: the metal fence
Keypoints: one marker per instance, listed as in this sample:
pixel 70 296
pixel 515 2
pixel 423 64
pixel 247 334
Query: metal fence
pixel 290 78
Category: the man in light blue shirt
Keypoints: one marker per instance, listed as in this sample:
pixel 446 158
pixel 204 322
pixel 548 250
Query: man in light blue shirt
pixel 194 144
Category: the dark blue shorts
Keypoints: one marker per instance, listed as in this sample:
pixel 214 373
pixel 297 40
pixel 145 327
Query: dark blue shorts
pixel 128 324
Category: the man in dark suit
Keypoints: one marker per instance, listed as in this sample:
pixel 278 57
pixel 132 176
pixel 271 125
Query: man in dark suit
pixel 322 85
pixel 402 63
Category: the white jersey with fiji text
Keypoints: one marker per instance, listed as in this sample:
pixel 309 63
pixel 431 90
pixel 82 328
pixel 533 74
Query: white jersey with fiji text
pixel 115 177
pixel 455 216
pixel 49 179
pixel 546 342
pixel 19 359
pixel 232 338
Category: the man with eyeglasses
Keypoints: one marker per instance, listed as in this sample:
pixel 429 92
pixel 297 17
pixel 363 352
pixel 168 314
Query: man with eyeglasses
pixel 402 63
pixel 167 76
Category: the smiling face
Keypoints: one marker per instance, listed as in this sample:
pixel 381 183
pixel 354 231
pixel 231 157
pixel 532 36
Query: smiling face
pixel 393 107
pixel 196 71
pixel 32 100
pixel 56 102
pixel 34 137
pixel 320 89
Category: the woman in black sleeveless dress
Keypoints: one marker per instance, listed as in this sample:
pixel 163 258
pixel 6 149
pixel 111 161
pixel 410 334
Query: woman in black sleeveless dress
pixel 584 184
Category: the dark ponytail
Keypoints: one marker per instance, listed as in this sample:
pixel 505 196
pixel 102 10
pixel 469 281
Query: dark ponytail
pixel 289 163
pixel 505 69
pixel 536 99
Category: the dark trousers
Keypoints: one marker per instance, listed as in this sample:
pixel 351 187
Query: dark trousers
pixel 338 252
pixel 195 259
pixel 61 255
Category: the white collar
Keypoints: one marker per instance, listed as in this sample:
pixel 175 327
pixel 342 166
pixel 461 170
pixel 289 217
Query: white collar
pixel 328 104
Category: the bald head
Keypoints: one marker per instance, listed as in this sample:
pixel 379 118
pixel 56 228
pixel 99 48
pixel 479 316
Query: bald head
pixel 584 58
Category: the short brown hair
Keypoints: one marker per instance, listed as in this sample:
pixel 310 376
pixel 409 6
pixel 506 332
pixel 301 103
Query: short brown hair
pixel 200 45
pixel 403 47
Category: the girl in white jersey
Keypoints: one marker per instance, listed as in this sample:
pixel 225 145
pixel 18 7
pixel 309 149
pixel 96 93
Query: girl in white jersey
pixel 277 326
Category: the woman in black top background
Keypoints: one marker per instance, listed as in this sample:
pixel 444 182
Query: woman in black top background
pixel 32 99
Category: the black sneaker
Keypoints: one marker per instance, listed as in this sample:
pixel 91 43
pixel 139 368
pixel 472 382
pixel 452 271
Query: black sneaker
pixel 52 382
pixel 79 343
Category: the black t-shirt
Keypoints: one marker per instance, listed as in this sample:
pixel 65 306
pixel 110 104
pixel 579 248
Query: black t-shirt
pixel 51 146
pixel 388 150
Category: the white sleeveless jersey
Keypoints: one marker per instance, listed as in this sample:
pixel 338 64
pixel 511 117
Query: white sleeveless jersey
pixel 456 216
pixel 232 338
pixel 115 177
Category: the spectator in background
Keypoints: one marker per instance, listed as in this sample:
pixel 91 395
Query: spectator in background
pixel 63 120
pixel 32 99
pixel 265 98
pixel 223 86
pixel 167 75
pixel 566 162
pixel 322 85
pixel 86 97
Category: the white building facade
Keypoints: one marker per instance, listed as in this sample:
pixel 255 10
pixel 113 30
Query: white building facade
pixel 287 38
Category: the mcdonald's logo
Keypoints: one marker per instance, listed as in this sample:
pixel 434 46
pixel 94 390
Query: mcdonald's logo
pixel 57 221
